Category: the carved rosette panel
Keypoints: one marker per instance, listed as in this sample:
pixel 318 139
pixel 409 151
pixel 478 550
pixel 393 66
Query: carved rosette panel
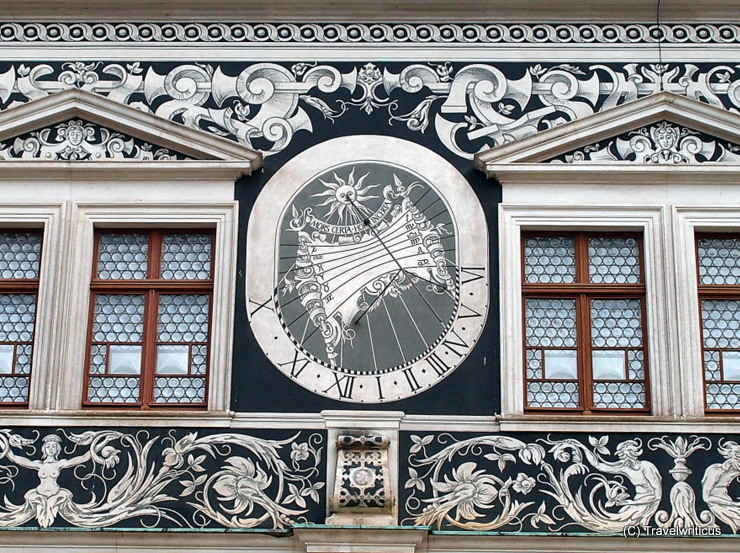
pixel 362 483
pixel 178 479
pixel 662 143
pixel 465 107
pixel 597 484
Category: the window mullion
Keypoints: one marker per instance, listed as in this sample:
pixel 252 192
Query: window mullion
pixel 583 323
pixel 149 347
pixel 155 254
pixel 151 311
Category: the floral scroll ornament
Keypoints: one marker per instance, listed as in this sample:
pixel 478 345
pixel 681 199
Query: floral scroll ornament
pixel 470 107
pixel 468 493
pixel 716 485
pixel 588 489
pixel 596 500
pixel 475 484
pixel 248 489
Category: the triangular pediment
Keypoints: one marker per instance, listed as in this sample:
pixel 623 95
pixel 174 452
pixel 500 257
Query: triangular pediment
pixel 76 125
pixel 660 129
pixel 80 140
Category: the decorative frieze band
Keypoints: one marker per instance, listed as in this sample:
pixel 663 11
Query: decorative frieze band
pixel 469 107
pixel 357 33
pixel 604 485
pixel 144 479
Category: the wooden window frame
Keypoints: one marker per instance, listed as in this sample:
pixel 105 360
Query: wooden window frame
pixel 729 292
pixel 583 291
pixel 151 288
pixel 23 286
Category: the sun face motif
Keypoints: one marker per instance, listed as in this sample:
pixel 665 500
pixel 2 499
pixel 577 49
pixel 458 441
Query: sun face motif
pixel 345 198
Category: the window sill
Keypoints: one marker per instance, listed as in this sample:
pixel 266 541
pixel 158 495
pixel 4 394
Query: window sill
pixel 613 423
pixel 118 417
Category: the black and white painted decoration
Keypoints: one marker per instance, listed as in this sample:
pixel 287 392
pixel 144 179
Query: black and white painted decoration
pixel 142 478
pixel 78 140
pixel 466 107
pixel 366 274
pixel 370 287
pixel 554 483
pixel 663 143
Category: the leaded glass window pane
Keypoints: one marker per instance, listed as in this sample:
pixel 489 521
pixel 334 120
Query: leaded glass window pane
pixel 720 327
pixel 549 259
pixel 550 323
pixel 116 351
pixel 20 255
pixel 616 337
pixel 719 260
pixel 17 324
pixel 550 329
pixel 584 345
pixel 122 256
pixel 613 260
pixel 186 256
pixel 553 395
pixel 149 338
pixel 619 395
pixel 182 334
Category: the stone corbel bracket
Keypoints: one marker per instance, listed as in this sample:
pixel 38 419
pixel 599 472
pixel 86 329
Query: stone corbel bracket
pixel 362 486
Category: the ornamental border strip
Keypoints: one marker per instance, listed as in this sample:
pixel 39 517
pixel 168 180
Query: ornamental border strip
pixel 364 33
pixel 454 102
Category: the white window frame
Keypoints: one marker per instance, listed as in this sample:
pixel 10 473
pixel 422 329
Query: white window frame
pixel 49 219
pixel 88 217
pixel 687 222
pixel 516 219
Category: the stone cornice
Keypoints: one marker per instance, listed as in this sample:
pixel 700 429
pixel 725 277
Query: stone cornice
pixel 381 10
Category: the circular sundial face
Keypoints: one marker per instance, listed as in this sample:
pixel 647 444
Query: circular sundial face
pixel 367 269
pixel 366 273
